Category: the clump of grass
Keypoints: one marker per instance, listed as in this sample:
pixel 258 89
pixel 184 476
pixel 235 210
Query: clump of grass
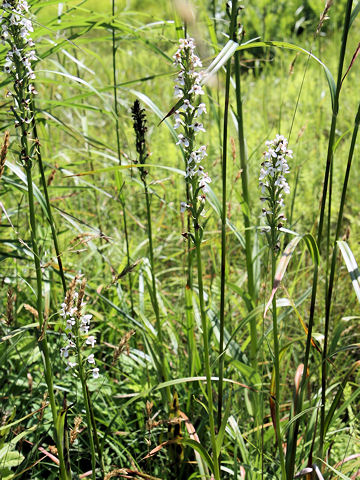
pixel 90 66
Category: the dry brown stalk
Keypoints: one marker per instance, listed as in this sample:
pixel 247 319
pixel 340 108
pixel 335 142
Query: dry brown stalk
pixel 324 16
pixel 11 298
pixel 69 297
pixel 3 152
pixel 51 177
pixel 44 404
pixel 30 381
pixel 32 310
pixel 74 432
pixel 123 346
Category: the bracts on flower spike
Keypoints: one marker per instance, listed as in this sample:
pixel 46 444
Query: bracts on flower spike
pixel 273 184
pixel 77 326
pixel 188 119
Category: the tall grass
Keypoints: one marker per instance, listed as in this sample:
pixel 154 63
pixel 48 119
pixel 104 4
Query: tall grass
pixel 189 385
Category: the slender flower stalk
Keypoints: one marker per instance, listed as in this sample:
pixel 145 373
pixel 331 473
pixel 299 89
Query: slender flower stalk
pixel 117 174
pixel 328 185
pixel 188 119
pixel 246 205
pixel 16 29
pixel 233 17
pixel 77 351
pixel 140 129
pixel 273 184
pixel 47 200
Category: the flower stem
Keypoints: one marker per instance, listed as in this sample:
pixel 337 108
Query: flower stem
pixel 277 371
pixel 117 175
pixel 206 351
pixel 164 371
pixel 223 223
pixel 330 285
pixel 329 162
pixel 48 205
pixel 64 472
pixel 86 402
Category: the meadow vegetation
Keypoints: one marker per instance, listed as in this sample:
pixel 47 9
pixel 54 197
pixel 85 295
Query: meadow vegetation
pixel 164 316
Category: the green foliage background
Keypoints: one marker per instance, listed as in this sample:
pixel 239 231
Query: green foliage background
pixel 76 121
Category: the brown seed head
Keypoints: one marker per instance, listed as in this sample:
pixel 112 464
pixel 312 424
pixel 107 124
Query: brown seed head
pixel 32 310
pixel 51 177
pixel 123 346
pixel 11 298
pixel 69 297
pixel 3 152
pixel 74 432
pixel 324 16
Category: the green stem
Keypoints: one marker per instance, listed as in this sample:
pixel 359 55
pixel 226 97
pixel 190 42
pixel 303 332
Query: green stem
pixel 206 352
pixel 223 223
pixel 96 437
pixel 64 474
pixel 292 437
pixel 164 372
pixel 277 371
pixel 329 162
pixel 191 341
pixel 48 205
pixel 332 274
pixel 117 175
pixel 86 402
pixel 246 208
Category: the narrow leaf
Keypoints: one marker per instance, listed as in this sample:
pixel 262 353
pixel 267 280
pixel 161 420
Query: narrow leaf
pixel 351 266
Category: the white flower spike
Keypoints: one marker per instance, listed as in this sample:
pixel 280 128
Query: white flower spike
pixel 272 180
pixel 188 87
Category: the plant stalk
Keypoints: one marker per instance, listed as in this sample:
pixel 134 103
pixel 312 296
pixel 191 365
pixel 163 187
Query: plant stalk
pixel 277 370
pixel 86 402
pixel 117 175
pixel 329 162
pixel 154 293
pixel 48 205
pixel 205 335
pixel 246 208
pixel 223 223
pixel 64 474
pixel 332 277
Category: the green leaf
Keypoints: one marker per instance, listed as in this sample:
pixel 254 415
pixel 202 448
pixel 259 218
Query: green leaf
pixel 10 458
pixel 336 401
pixel 38 195
pixel 354 13
pixel 339 474
pixel 285 259
pixel 200 449
pixel 220 435
pixel 351 266
pixel 220 60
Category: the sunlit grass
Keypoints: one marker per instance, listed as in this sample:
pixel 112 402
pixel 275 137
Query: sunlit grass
pixel 139 337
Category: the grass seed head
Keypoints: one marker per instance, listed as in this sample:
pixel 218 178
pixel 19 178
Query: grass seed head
pixel 3 152
pixel 11 299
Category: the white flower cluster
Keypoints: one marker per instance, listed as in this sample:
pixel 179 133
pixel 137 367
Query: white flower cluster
pixel 188 88
pixel 272 179
pixel 77 328
pixel 16 31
